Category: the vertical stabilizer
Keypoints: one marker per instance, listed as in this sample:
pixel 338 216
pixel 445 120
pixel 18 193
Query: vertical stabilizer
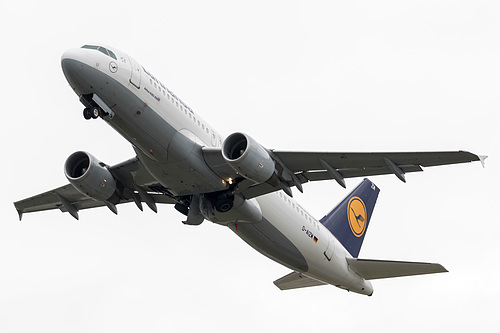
pixel 349 221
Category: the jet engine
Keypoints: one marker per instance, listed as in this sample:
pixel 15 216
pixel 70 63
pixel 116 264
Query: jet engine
pixel 90 176
pixel 247 157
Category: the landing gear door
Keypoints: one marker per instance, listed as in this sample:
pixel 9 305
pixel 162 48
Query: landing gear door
pixel 329 250
pixel 135 76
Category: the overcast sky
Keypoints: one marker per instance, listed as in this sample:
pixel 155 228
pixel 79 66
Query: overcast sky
pixel 311 75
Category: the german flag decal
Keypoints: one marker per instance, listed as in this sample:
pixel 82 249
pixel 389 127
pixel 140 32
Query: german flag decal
pixel 310 234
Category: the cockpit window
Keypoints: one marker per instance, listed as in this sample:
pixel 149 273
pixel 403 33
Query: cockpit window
pixel 112 55
pixel 102 49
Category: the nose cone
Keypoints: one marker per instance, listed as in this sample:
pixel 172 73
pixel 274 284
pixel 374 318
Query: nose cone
pixel 73 59
pixel 73 63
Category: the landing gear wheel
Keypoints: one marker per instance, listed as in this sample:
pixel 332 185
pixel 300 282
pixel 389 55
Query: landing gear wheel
pixel 87 113
pixel 96 112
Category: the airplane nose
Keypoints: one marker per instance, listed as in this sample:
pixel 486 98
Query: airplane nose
pixel 72 57
pixel 73 62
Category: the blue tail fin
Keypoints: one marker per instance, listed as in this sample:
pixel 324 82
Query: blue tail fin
pixel 349 220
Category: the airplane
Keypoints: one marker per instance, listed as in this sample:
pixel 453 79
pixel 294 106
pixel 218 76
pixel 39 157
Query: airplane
pixel 235 182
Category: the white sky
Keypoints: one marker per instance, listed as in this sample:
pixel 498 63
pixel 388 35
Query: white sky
pixel 315 75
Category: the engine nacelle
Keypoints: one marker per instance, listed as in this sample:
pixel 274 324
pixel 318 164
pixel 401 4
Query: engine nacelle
pixel 247 157
pixel 90 176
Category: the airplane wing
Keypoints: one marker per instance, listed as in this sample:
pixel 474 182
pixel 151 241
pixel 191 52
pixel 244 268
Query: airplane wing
pixel 136 184
pixel 296 168
pixel 293 169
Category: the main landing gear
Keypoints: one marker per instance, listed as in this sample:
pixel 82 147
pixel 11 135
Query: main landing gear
pixel 92 112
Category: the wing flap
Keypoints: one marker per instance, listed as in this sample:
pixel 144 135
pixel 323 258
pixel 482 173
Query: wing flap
pixel 359 172
pixel 296 280
pixel 380 269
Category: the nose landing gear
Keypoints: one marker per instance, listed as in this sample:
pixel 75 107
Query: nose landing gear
pixel 94 107
pixel 92 112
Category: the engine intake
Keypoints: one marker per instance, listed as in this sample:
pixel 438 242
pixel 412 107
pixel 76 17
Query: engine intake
pixel 90 176
pixel 247 157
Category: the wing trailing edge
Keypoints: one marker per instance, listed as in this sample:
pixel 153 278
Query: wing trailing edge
pixel 380 269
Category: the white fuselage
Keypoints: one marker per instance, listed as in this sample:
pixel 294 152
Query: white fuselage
pixel 167 137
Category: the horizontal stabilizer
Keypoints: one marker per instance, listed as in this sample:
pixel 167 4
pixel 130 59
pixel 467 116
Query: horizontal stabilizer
pixel 381 269
pixel 296 280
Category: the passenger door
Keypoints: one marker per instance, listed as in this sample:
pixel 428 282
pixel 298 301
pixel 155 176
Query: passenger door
pixel 135 76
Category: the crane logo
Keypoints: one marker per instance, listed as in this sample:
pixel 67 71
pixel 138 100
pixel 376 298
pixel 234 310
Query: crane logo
pixel 356 215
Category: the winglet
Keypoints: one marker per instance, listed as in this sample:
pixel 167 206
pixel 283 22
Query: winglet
pixel 482 158
pixel 20 212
